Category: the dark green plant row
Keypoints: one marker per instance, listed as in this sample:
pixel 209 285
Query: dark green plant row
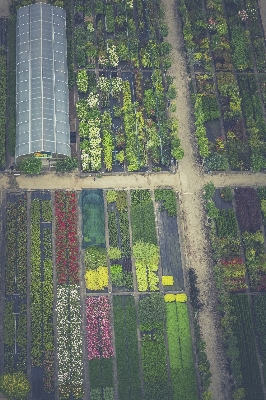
pixel 126 344
pixel 142 217
pixel 151 314
pixel 168 200
pixel 15 336
pixel 226 37
pixel 259 307
pixel 244 332
pixel 101 379
pixel 16 247
pixel 42 291
pixel 200 344
pixel 119 238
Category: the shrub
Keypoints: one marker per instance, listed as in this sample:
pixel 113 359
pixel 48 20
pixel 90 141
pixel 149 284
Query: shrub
pixel 97 279
pixel 31 166
pixel 217 162
pixel 212 210
pixel 114 253
pixel 95 257
pixel 117 275
pixel 111 196
pixel 66 164
pixel 15 386
pixel 209 190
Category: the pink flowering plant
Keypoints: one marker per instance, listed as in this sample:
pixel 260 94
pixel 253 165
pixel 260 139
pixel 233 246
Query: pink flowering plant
pixel 99 332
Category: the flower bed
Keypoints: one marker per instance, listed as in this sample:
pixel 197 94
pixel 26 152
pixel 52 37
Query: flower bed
pixel 66 237
pixel 100 347
pixel 69 342
pixel 42 338
pixel 99 334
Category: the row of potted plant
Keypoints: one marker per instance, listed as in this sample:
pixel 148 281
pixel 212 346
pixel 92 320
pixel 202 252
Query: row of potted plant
pixel 99 334
pixel 42 337
pixel 66 239
pixel 69 342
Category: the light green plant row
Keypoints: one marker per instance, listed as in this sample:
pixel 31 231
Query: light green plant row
pixel 180 352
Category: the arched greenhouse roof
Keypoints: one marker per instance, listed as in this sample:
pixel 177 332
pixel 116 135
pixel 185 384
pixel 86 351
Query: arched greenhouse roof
pixel 42 105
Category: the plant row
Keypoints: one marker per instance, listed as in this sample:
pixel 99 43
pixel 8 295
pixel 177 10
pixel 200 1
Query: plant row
pixel 126 344
pixel 42 337
pixel 66 238
pixel 69 342
pixel 15 315
pixel 180 351
pixel 99 346
pixel 119 239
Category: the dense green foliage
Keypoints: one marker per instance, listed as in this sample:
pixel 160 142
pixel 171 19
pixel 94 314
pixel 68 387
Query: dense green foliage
pixel 168 200
pixel 15 386
pixel 142 217
pixel 244 331
pixel 126 343
pixel 31 165
pixel 66 164
pixel 180 352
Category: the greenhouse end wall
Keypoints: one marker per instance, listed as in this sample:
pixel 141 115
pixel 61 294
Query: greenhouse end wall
pixel 42 108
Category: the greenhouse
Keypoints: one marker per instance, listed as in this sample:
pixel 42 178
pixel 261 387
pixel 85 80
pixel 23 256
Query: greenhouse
pixel 42 110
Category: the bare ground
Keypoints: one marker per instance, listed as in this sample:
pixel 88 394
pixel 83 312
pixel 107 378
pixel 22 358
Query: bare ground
pixel 4 8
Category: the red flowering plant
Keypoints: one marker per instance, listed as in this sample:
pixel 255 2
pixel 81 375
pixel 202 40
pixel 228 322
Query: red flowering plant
pixel 66 241
pixel 234 274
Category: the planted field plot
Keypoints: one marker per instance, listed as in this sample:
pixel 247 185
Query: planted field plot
pixel 226 54
pixel 171 263
pixel 238 248
pixel 122 59
pixel 15 317
pixel 41 295
pixel 112 337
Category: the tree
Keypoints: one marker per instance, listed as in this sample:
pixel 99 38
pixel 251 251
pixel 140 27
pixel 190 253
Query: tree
pixel 15 386
pixel 31 165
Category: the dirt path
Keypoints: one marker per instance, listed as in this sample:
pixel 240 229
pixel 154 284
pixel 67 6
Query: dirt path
pixel 262 7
